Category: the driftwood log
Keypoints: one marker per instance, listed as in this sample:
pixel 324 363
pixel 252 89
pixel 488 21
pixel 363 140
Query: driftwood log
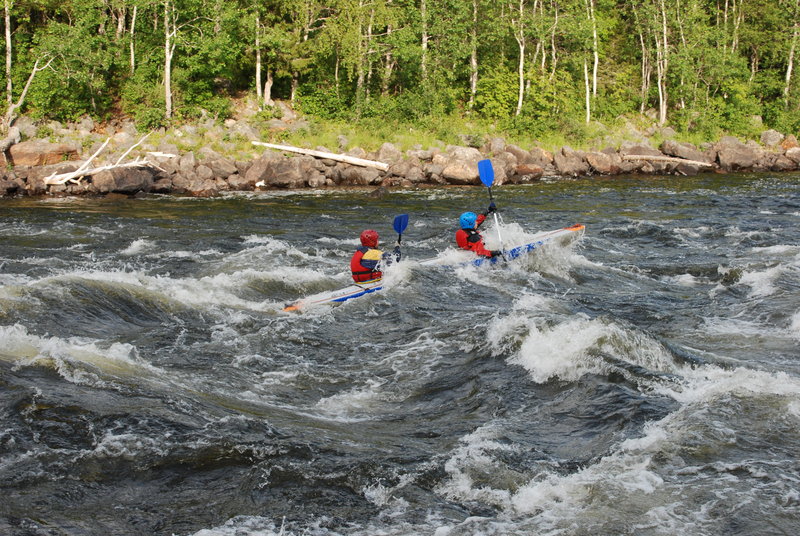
pixel 84 170
pixel 670 159
pixel 330 156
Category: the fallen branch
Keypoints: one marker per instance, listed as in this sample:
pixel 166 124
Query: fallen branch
pixel 670 159
pixel 80 172
pixel 72 175
pixel 84 170
pixel 331 156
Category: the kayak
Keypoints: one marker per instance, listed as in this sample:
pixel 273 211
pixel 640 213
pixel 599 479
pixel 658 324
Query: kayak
pixel 356 290
pixel 459 258
pixel 567 234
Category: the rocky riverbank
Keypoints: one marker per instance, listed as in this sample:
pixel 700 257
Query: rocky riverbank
pixel 31 165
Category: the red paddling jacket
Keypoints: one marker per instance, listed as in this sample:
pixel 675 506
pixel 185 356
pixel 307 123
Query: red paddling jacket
pixel 364 264
pixel 366 261
pixel 471 239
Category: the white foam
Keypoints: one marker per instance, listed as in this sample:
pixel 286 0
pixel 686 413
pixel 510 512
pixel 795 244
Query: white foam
pixel 139 246
pixel 354 405
pixel 245 525
pixel 25 349
pixel 794 327
pixel 762 283
pixel 130 446
pixel 684 280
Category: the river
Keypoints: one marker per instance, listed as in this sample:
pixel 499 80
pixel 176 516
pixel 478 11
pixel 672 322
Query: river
pixel 644 379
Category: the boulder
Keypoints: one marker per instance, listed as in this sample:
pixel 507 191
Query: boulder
pixel 689 170
pixel 40 153
pixel 771 138
pixel 459 165
pixel 162 185
pixel 10 187
pixel 734 155
pixel 570 163
pixel 35 176
pixel 639 149
pixel 204 172
pixel 126 180
pixel 410 169
pixel 289 172
pixel 527 173
pixel 541 157
pixel 780 162
pixel 793 154
pixel 789 142
pixel 359 176
pixel 684 150
pixel 187 162
pixel 389 154
pixel 604 163
pixel 523 157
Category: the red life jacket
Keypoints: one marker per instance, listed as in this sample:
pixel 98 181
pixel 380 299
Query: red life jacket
pixel 363 264
pixel 471 239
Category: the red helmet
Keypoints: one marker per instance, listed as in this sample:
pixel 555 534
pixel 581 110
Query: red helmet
pixel 369 238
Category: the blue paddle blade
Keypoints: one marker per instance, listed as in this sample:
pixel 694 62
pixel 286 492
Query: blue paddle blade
pixel 486 172
pixel 400 223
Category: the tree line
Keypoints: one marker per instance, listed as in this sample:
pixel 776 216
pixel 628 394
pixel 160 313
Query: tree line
pixel 527 65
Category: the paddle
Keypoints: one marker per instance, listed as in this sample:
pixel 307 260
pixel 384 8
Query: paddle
pixel 486 173
pixel 400 224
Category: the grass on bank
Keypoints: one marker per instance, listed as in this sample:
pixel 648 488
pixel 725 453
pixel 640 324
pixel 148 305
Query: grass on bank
pixel 370 134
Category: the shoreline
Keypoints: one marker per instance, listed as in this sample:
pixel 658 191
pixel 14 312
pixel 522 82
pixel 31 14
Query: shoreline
pixel 38 167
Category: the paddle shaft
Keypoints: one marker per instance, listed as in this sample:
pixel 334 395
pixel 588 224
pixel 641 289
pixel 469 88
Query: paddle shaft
pixel 496 222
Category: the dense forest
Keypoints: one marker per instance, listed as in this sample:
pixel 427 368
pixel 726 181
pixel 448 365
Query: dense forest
pixel 699 66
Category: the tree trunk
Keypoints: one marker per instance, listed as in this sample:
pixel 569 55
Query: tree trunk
pixel 388 66
pixel 423 12
pixel 595 46
pixel 587 90
pixel 169 51
pixel 473 56
pixel 9 86
pixel 553 54
pixel 268 90
pixel 520 37
pixel 11 113
pixel 259 93
pixel 790 63
pixel 132 47
pixel 662 64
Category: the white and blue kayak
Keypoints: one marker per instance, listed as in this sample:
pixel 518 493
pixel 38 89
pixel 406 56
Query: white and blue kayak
pixel 356 290
pixel 564 235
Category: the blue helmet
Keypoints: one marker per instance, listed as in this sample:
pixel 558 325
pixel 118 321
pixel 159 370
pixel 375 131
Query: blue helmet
pixel 467 220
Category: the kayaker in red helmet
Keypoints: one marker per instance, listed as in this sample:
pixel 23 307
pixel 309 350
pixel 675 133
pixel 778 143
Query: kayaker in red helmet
pixel 468 236
pixel 368 260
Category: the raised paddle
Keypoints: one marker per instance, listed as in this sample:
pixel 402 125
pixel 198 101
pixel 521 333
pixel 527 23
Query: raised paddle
pixel 486 173
pixel 400 224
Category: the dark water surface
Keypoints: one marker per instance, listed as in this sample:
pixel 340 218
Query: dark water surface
pixel 643 380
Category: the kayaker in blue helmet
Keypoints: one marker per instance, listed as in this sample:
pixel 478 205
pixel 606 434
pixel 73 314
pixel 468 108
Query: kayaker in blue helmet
pixel 468 236
pixel 366 263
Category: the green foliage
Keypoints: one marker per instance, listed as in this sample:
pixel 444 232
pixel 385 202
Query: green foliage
pixel 321 101
pixel 497 94
pixel 144 101
pixel 362 63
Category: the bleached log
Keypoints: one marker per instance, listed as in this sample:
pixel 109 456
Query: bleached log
pixel 72 175
pixel 331 156
pixel 84 170
pixel 132 147
pixel 670 159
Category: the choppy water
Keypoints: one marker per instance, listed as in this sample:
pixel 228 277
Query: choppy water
pixel 644 380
